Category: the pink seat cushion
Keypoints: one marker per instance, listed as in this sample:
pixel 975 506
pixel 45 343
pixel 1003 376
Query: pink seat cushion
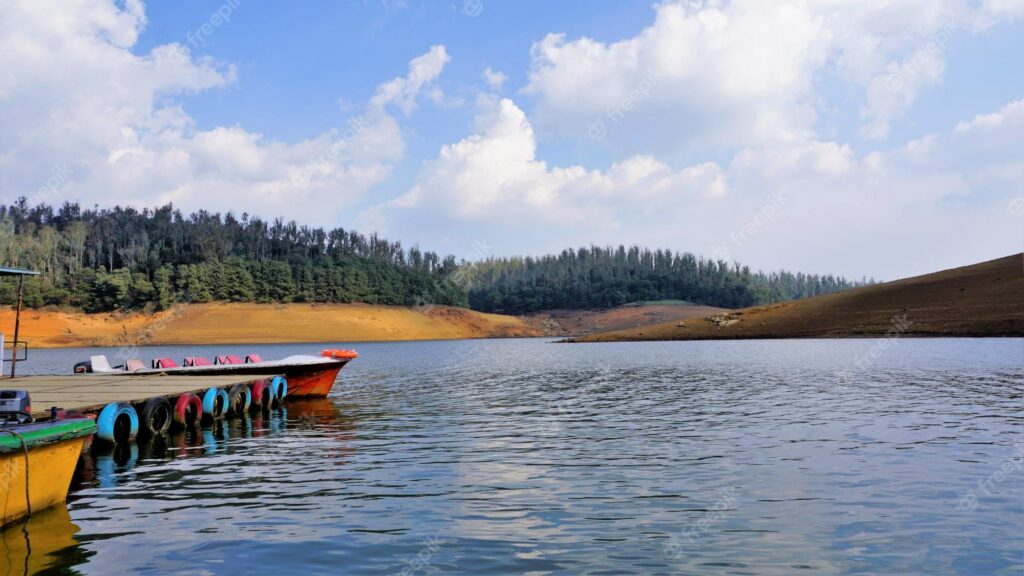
pixel 134 365
pixel 164 363
pixel 253 358
pixel 228 359
pixel 197 361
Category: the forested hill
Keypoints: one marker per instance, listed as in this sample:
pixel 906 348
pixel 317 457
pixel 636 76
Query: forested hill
pixel 122 258
pixel 602 277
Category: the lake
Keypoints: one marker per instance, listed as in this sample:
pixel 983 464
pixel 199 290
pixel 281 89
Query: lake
pixel 527 457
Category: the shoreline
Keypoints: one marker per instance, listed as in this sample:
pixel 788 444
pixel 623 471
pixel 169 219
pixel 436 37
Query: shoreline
pixel 243 323
pixel 319 323
pixel 919 336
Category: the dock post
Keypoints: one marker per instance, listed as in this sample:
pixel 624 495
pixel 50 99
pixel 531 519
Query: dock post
pixel 17 325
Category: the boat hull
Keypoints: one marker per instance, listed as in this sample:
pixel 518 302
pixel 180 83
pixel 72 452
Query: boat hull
pixel 304 380
pixel 50 467
pixel 312 383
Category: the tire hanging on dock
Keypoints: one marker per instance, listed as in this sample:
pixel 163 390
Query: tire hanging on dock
pixel 239 399
pixel 154 416
pixel 117 423
pixel 262 395
pixel 188 410
pixel 279 386
pixel 215 403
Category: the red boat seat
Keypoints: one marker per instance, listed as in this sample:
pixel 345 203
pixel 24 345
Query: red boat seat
pixel 228 359
pixel 197 361
pixel 134 365
pixel 164 363
pixel 253 358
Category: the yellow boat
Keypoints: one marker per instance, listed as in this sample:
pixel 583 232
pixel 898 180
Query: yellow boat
pixel 36 464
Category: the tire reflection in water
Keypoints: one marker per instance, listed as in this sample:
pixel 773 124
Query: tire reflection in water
pixel 107 466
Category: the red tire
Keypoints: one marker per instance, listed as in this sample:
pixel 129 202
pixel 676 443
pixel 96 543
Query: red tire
pixel 188 410
pixel 262 395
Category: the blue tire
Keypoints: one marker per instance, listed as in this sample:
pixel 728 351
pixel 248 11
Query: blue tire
pixel 215 403
pixel 117 423
pixel 279 386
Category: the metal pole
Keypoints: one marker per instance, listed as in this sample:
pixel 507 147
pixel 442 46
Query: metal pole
pixel 17 324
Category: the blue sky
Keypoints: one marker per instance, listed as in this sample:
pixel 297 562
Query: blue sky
pixel 307 65
pixel 868 138
pixel 298 62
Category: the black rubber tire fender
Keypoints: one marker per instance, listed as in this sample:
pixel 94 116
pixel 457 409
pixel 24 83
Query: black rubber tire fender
pixel 155 416
pixel 239 400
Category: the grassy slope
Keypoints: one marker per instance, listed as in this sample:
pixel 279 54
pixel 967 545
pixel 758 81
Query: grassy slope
pixel 985 299
pixel 222 323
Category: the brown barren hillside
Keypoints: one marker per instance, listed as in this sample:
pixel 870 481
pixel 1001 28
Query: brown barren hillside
pixel 579 322
pixel 984 299
pixel 223 323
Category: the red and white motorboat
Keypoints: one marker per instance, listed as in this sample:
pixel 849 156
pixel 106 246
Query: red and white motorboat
pixel 308 376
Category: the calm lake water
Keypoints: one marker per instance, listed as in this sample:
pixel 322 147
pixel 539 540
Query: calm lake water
pixel 526 457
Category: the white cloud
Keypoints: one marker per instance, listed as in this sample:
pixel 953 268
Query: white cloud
pixel 495 79
pixel 994 10
pixel 813 159
pixel 423 70
pixel 1010 115
pixel 75 99
pixel 743 73
pixel 722 75
pixel 839 210
pixel 494 178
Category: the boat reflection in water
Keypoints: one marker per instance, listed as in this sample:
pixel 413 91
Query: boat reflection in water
pixel 44 540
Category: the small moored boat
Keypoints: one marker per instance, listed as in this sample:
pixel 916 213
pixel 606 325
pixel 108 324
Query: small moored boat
pixel 308 376
pixel 36 464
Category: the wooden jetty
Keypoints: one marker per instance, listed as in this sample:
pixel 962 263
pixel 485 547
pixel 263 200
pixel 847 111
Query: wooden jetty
pixel 45 421
pixel 111 408
pixel 91 392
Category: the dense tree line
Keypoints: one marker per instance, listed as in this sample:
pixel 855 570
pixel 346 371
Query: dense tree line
pixel 601 277
pixel 122 258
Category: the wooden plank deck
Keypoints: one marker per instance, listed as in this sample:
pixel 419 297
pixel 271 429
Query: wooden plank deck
pixel 91 392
